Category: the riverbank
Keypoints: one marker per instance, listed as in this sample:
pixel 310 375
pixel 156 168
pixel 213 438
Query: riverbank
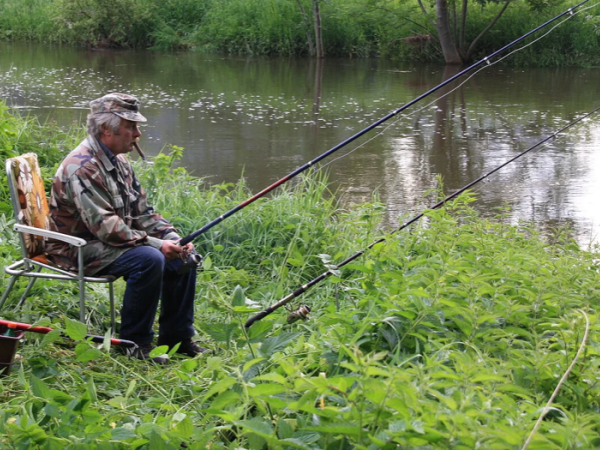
pixel 451 336
pixel 394 30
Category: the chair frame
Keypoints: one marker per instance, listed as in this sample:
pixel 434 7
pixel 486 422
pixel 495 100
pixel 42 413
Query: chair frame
pixel 30 268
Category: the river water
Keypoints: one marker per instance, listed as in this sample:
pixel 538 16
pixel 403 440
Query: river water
pixel 265 117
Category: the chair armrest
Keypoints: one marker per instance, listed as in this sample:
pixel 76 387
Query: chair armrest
pixel 75 241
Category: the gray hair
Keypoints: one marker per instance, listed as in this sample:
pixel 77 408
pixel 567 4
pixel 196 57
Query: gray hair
pixel 95 122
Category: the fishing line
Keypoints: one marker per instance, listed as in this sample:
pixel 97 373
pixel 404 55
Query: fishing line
pixel 375 124
pixel 413 113
pixel 562 380
pixel 331 271
pixel 490 64
pixel 479 189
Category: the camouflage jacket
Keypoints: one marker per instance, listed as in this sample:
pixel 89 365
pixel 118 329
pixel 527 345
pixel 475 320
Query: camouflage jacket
pixel 103 204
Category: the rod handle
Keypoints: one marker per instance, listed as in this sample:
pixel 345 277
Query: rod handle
pixel 46 330
pixel 113 341
pixel 259 316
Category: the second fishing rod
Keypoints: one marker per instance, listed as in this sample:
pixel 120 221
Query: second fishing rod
pixel 303 311
pixel 190 237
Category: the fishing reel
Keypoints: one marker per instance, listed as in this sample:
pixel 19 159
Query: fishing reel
pixel 300 313
pixel 191 261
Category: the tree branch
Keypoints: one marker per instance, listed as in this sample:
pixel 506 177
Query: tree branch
pixel 429 31
pixel 427 15
pixel 491 24
pixel 463 25
pixel 420 26
pixel 455 24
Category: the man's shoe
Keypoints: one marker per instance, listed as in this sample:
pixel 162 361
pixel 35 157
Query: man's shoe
pixel 187 347
pixel 143 352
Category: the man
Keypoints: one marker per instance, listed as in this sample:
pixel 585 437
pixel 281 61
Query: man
pixel 96 196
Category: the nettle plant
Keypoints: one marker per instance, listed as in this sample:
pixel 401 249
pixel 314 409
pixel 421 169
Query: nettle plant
pixel 452 335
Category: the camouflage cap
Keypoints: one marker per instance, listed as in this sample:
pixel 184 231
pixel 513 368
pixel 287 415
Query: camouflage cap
pixel 122 105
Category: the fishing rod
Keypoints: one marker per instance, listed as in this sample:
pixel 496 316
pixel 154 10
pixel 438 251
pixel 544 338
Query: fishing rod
pixel 304 310
pixel 190 237
pixel 46 330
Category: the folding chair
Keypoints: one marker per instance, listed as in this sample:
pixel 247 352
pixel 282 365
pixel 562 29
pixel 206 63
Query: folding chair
pixel 31 210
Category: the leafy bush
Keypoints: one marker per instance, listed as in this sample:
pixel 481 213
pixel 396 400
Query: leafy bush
pixel 104 23
pixel 573 43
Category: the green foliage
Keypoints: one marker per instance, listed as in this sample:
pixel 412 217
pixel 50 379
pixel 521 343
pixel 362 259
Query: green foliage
pixel 574 43
pixel 22 135
pixel 104 23
pixel 387 28
pixel 26 20
pixel 451 336
pixel 252 27
pixel 179 22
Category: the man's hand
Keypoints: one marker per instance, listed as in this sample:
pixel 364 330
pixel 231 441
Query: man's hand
pixel 172 249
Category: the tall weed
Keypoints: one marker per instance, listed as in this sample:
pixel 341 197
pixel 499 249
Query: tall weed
pixel 260 27
pixel 26 20
pixel 179 21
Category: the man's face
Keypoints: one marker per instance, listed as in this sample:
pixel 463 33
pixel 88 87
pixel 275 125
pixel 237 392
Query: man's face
pixel 121 141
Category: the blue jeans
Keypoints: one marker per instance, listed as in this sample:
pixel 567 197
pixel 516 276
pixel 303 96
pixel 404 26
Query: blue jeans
pixel 151 277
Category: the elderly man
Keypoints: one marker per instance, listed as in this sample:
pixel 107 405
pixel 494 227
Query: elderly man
pixel 96 196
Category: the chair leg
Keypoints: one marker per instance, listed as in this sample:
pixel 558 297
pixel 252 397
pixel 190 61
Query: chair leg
pixel 81 275
pixel 113 320
pixel 28 288
pixel 82 301
pixel 11 283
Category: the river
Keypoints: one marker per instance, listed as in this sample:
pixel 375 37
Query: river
pixel 264 117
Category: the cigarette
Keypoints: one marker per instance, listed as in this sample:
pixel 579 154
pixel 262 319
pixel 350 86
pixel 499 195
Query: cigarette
pixel 139 150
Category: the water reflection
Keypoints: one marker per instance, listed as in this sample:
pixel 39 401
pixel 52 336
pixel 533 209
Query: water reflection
pixel 265 117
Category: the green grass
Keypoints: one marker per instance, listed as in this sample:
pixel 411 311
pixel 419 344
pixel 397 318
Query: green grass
pixel 450 336
pixel 20 135
pixel 27 20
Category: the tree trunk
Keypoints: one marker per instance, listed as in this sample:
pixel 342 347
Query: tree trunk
pixel 451 55
pixel 318 37
pixel 318 88
pixel 444 145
